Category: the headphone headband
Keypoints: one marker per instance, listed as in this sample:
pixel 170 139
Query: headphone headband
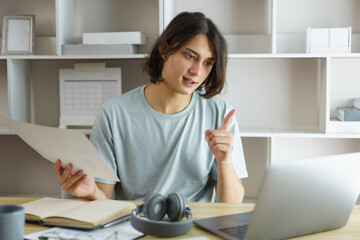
pixel 160 228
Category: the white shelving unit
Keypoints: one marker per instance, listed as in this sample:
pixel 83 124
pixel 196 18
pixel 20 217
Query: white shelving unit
pixel 246 25
pixel 285 99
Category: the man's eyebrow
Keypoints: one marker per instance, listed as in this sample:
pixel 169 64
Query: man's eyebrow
pixel 196 53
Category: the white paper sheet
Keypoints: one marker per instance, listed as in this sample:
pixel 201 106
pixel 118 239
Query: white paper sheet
pixel 70 146
pixel 123 231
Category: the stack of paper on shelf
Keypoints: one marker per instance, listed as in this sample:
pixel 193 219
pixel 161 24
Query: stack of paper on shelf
pixel 106 43
pixel 99 49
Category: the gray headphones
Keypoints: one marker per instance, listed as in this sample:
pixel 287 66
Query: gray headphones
pixel 155 207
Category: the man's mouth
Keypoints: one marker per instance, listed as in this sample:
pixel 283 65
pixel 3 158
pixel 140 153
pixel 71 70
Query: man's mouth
pixel 189 81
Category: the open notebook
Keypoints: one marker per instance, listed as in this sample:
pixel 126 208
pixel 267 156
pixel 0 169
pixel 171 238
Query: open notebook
pixel 77 213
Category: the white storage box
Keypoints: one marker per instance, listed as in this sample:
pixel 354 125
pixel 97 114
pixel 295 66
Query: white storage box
pixel 328 40
pixel 114 38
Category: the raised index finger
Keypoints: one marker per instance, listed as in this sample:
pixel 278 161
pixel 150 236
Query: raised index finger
pixel 227 120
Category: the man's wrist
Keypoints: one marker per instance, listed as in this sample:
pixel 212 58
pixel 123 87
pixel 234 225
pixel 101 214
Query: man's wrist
pixel 225 164
pixel 97 195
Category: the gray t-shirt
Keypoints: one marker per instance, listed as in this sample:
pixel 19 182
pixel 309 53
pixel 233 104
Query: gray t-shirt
pixel 163 153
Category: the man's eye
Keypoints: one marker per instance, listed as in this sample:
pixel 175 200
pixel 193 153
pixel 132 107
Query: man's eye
pixel 209 64
pixel 190 56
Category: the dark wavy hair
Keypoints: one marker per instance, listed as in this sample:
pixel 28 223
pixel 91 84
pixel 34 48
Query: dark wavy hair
pixel 181 29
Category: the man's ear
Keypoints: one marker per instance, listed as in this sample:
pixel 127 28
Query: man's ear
pixel 162 49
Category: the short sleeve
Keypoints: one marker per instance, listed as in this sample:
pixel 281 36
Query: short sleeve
pixel 101 138
pixel 237 155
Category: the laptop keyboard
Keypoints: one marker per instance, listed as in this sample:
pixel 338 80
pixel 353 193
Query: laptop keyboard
pixel 237 232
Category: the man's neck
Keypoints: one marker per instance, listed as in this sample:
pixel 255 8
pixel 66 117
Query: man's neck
pixel 165 101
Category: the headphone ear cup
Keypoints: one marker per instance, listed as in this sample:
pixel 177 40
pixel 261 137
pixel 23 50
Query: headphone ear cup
pixel 177 204
pixel 155 206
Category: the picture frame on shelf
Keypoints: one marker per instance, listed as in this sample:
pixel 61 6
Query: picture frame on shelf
pixel 18 34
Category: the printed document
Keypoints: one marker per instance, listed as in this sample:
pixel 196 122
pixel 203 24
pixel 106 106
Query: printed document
pixel 123 231
pixel 70 146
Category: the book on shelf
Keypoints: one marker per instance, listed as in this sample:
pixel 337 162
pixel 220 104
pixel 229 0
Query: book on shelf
pixel 114 38
pixel 80 214
pixel 348 114
pixel 99 49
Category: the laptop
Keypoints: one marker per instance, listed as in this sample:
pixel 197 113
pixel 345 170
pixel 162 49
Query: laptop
pixel 297 197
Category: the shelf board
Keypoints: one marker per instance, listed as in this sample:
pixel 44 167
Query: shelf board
pixel 7 131
pixel 143 55
pixel 251 133
pixel 348 127
pixel 269 133
pixel 276 132
pixel 294 55
pixel 29 195
pixel 70 57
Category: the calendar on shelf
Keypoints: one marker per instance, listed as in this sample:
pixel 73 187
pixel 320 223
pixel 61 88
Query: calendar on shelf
pixel 82 92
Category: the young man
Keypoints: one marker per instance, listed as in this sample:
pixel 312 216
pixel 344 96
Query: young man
pixel 171 135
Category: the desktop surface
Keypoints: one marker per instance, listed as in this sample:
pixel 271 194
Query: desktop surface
pixel 204 210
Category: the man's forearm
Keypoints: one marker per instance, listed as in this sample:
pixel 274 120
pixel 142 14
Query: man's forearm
pixel 228 188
